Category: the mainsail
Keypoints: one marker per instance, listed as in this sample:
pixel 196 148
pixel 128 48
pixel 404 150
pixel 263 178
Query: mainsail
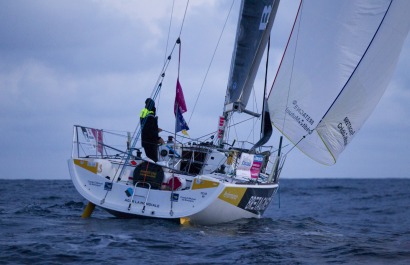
pixel 254 27
pixel 337 65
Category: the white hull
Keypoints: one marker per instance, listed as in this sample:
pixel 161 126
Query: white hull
pixel 206 199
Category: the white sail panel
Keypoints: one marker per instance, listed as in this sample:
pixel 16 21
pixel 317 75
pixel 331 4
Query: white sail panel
pixel 339 60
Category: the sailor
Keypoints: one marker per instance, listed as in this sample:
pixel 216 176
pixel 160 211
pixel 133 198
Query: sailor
pixel 150 132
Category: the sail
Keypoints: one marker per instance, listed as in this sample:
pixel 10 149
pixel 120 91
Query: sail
pixel 254 26
pixel 337 64
pixel 266 128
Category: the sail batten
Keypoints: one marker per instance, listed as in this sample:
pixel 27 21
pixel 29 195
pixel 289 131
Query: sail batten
pixel 338 63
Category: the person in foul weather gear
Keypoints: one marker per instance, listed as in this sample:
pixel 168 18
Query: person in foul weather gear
pixel 150 132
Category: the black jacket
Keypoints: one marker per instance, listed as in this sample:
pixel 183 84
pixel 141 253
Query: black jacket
pixel 149 134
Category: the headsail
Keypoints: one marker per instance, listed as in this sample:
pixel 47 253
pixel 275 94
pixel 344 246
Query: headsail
pixel 266 128
pixel 337 65
pixel 254 26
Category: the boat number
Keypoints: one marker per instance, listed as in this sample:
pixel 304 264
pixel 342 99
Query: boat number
pixel 257 203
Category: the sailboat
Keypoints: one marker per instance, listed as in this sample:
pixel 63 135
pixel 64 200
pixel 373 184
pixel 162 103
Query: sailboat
pixel 337 63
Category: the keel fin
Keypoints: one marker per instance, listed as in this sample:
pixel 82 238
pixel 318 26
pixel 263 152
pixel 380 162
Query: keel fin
pixel 88 210
pixel 184 220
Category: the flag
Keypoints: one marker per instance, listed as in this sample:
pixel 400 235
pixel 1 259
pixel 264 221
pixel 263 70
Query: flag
pixel 94 137
pixel 181 124
pixel 179 109
pixel 89 137
pixel 98 136
pixel 179 99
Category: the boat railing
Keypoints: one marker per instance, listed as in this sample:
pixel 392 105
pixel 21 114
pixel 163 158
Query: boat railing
pixel 98 143
pixel 134 193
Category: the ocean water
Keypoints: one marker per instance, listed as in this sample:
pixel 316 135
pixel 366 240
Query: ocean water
pixel 314 221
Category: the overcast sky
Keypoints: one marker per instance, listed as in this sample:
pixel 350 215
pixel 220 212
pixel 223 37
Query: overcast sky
pixel 94 62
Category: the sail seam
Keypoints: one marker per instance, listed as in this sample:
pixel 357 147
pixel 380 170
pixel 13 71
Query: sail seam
pixel 347 82
pixel 283 56
pixel 358 64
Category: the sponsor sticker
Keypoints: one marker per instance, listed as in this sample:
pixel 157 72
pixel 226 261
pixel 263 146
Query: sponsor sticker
pixel 107 186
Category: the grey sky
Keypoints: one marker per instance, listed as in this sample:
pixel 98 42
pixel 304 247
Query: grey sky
pixel 93 63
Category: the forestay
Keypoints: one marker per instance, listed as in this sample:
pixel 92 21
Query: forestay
pixel 337 65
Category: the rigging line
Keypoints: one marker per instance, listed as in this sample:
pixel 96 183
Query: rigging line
pixel 164 68
pixel 169 31
pixel 234 126
pixel 230 121
pixel 229 126
pixel 189 138
pixel 158 101
pixel 212 59
pixel 155 91
pixel 116 134
pixel 252 131
pixel 154 95
pixel 135 136
pixel 138 129
pixel 294 57
pixel 183 19
pixel 241 122
pixel 236 133
pixel 303 137
pixel 167 59
pixel 254 122
pixel 206 135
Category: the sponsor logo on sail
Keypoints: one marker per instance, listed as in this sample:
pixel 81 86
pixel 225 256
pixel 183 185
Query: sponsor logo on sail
pixel 346 130
pixel 265 17
pixel 301 117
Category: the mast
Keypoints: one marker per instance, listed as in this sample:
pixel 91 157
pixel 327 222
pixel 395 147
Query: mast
pixel 254 25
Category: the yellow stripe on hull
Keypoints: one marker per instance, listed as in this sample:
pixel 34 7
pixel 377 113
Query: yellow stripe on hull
pixel 88 165
pixel 203 184
pixel 232 195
